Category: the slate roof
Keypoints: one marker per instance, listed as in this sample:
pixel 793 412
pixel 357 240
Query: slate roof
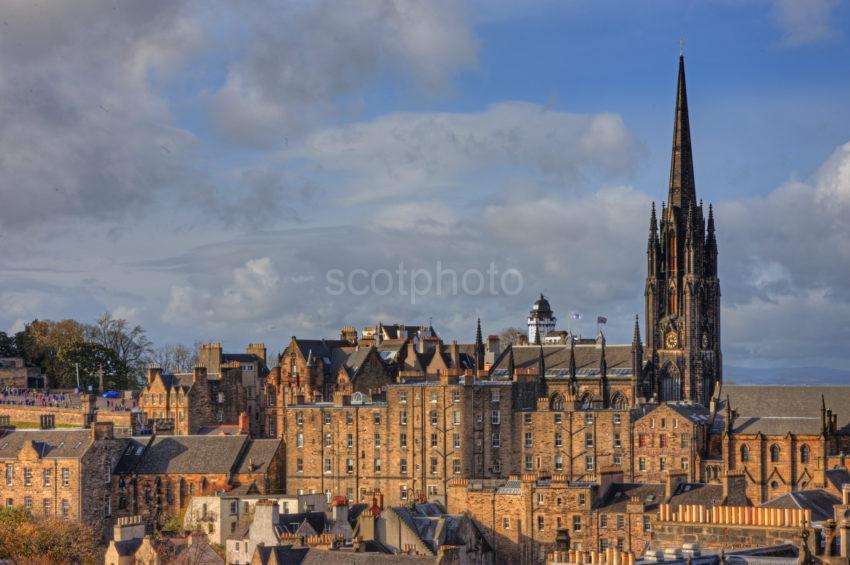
pixel 127 548
pixel 290 523
pixel 49 443
pixel 619 495
pixel 777 410
pixel 819 501
pixel 838 477
pixel 556 359
pixel 310 556
pixel 182 454
pixel 261 452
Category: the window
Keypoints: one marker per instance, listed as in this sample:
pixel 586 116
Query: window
pixel 434 440
pixel 683 440
pixel 27 477
pixel 662 463
pixel 617 419
pixel 617 444
pixel 456 466
pixel 495 395
pixel 576 523
pixel 329 440
pixel 621 522
pixel 433 397
pixel 541 500
pixel 559 418
pixel 28 502
pixel 528 463
pixel 559 462
pixel 377 464
pixel 588 419
pixel 663 422
pixel 456 440
pixel 618 459
pixel 529 440
pixel 349 466
pixel 403 466
pixel 299 440
pixel 774 453
pixel 402 396
pixel 299 419
pixel 299 465
pixel 349 440
pixel 652 423
pixel 495 417
pixel 402 492
pixel 647 524
pixel 558 440
pixel 526 418
pixel 45 505
pixel 641 440
pixel 376 418
pixel 582 499
pixel 455 396
pixel 804 454
pixel 402 417
pixel 588 439
pixel 349 418
pixel 685 463
pixel 433 466
pixel 603 520
pixel 541 524
pixel 10 474
pixel 377 439
pixel 402 440
pixel 497 439
pixel 662 440
pixel 433 417
pixel 506 523
pixel 328 466
pixel 46 477
pixel 642 465
pixel 10 502
pixel 456 417
pixel 675 423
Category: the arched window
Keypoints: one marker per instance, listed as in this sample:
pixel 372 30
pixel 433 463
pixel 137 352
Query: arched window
pixel 804 454
pixel 745 453
pixel 556 404
pixel 774 453
pixel 586 401
pixel 619 402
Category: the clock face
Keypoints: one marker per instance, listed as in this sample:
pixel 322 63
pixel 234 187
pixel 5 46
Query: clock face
pixel 672 340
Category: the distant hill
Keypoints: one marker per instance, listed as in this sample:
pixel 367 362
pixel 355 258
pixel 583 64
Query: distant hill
pixel 786 376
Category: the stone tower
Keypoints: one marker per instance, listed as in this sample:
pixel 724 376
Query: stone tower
pixel 682 289
pixel 541 321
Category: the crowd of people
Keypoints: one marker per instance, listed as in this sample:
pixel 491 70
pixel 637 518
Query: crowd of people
pixel 30 397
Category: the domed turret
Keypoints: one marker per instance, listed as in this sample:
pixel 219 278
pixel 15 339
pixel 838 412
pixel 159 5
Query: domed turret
pixel 541 320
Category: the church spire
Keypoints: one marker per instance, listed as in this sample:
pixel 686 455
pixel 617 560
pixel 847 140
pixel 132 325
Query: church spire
pixel 479 347
pixel 682 187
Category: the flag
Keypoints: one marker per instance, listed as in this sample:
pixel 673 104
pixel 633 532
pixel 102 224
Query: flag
pixel 575 315
pixel 601 320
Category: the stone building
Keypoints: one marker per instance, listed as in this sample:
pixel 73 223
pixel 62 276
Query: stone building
pixel 182 404
pixel 14 373
pixel 670 437
pixel 157 476
pixel 63 473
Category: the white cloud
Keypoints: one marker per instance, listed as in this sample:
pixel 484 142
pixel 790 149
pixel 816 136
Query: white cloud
pixel 302 57
pixel 404 154
pixel 805 21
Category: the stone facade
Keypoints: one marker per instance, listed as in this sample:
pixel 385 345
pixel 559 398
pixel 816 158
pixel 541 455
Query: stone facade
pixel 63 473
pixel 14 373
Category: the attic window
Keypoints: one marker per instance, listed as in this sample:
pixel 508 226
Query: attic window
pixel 139 450
pixel 79 443
pixel 650 497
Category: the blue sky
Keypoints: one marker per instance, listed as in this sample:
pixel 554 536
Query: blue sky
pixel 199 167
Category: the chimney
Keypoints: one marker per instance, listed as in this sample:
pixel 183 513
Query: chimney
pixel 845 494
pixel 128 528
pixel 102 431
pixel 154 371
pixel 493 344
pixel 672 481
pixel 340 509
pixel 257 349
pixel 47 421
pixel 609 476
pixel 244 426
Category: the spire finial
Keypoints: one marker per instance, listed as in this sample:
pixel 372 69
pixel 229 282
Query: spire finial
pixel 682 187
pixel 681 47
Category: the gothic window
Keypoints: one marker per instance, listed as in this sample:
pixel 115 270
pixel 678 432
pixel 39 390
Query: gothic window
pixel 586 401
pixel 745 453
pixel 774 453
pixel 619 402
pixel 557 403
pixel 804 454
pixel 671 384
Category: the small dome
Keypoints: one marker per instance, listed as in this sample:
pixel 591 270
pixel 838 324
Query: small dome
pixel 541 306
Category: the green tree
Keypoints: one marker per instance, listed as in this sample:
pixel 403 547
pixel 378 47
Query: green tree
pixel 8 345
pixel 91 359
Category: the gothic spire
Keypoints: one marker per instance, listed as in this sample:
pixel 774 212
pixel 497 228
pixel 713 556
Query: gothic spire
pixel 479 347
pixel 636 335
pixel 682 187
pixel 710 240
pixel 653 226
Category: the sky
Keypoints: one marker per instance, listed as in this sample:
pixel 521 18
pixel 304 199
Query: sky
pixel 221 171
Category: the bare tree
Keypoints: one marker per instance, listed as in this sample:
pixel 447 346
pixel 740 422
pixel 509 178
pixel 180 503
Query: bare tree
pixel 131 344
pixel 511 335
pixel 175 357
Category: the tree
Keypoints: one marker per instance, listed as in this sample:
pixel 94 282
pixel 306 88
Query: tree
pixel 176 357
pixel 92 358
pixel 41 341
pixel 511 335
pixel 8 346
pixel 130 344
pixel 25 538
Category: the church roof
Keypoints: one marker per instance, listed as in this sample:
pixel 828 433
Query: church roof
pixel 556 359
